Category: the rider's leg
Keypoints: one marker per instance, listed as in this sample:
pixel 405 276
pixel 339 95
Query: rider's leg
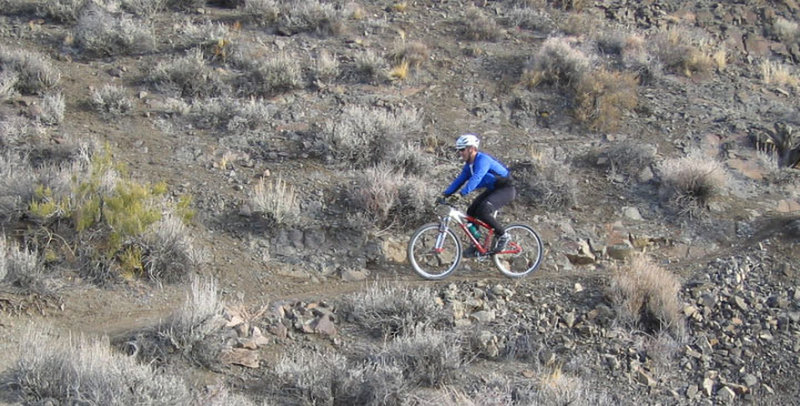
pixel 490 201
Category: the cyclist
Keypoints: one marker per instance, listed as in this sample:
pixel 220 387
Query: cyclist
pixel 481 170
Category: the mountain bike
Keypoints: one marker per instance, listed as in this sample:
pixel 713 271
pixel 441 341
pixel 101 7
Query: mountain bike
pixel 435 250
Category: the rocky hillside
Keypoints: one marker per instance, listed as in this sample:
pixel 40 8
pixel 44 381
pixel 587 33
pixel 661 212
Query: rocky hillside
pixel 224 191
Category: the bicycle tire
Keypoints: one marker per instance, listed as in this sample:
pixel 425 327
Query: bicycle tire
pixel 527 259
pixel 424 260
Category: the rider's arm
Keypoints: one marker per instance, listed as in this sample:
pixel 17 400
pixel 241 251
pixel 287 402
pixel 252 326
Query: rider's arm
pixel 458 181
pixel 479 169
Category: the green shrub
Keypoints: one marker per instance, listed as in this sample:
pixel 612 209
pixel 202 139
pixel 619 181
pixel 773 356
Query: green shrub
pixel 69 370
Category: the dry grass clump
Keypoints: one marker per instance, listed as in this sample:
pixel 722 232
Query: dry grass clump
pixel 186 76
pixel 683 51
pixel 28 71
pixel 100 33
pixel 16 188
pixel 389 310
pixel 311 377
pixel 647 296
pixel 65 11
pixel 602 98
pixel 477 26
pixel 52 112
pixel 276 200
pixel 427 357
pixel 369 136
pixel 186 4
pixel 213 38
pixel 778 74
pixel 112 100
pixel 21 268
pixel 558 63
pixel 692 181
pixel 69 370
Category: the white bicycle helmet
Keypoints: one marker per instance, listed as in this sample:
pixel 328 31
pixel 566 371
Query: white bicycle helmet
pixel 467 140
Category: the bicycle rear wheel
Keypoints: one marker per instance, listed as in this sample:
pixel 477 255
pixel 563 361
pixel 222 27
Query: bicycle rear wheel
pixel 522 255
pixel 429 261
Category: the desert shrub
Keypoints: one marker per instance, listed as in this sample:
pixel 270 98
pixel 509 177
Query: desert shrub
pixel 413 53
pixel 627 157
pixel 692 181
pixel 778 74
pixel 383 195
pixel 111 100
pixel 198 317
pixel 647 296
pixel 231 114
pixel 168 252
pixel 262 11
pixel 427 357
pixel 21 268
pixel 100 33
pixel 546 184
pixel 368 136
pixel 682 51
pixel 8 84
pixel 269 76
pixel 53 106
pixel 186 4
pixel 309 16
pixel 69 370
pixel 785 30
pixel 33 73
pixel 186 76
pixel 477 26
pixel 276 200
pixel 213 38
pixel 531 19
pixel 311 377
pixel 782 142
pixel 556 387
pixel 16 185
pixel 603 97
pixel 144 8
pixel 367 66
pixel 65 11
pixel 324 68
pixel 557 62
pixel 391 310
pixel 372 383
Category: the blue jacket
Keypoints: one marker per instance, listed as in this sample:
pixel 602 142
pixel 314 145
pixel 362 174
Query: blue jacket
pixel 482 173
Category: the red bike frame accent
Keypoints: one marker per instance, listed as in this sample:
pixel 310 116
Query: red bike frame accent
pixel 483 247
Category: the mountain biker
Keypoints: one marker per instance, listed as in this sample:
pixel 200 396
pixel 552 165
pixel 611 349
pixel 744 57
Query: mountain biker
pixel 481 170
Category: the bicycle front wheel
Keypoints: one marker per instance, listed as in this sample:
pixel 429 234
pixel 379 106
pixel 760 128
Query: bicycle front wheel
pixel 523 254
pixel 430 261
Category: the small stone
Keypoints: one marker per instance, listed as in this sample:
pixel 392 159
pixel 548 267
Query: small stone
pixel 750 380
pixel 726 394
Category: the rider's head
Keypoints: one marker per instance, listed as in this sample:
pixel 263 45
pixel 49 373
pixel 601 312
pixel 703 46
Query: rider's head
pixel 467 146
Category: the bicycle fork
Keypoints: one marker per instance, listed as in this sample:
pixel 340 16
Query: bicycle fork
pixel 442 235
